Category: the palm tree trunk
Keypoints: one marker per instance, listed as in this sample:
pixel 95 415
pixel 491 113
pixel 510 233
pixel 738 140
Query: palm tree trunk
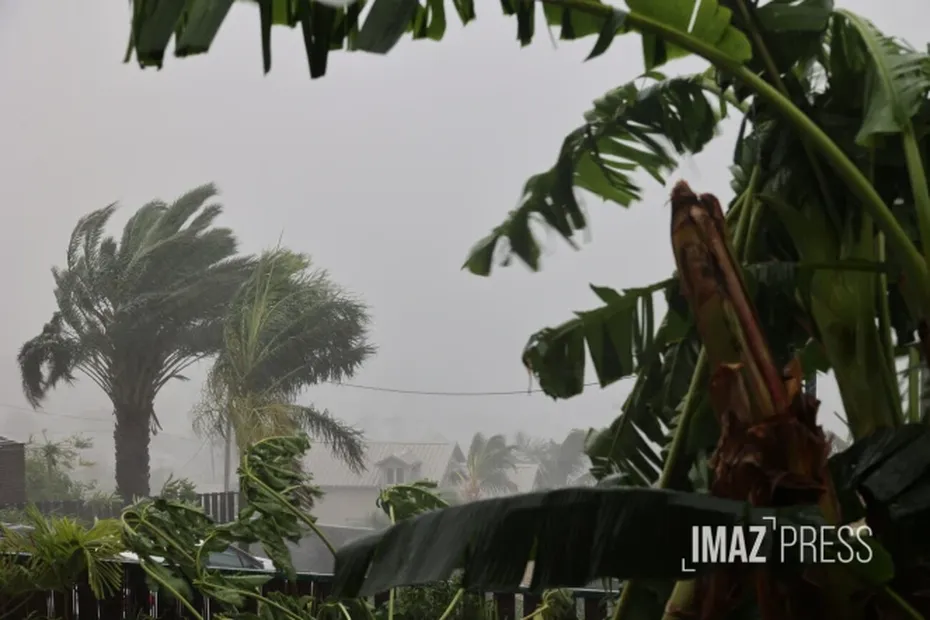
pixel 132 439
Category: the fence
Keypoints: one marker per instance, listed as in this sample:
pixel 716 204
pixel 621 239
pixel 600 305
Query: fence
pixel 221 507
pixel 135 601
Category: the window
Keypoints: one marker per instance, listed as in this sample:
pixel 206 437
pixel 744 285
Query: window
pixel 394 475
pixel 225 559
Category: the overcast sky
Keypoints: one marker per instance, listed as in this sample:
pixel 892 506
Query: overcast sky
pixel 386 171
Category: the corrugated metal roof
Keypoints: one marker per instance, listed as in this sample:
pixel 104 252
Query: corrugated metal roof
pixel 433 460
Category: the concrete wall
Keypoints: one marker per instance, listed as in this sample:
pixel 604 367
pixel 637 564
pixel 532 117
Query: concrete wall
pixel 345 505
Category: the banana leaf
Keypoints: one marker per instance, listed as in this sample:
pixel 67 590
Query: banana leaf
pixel 575 536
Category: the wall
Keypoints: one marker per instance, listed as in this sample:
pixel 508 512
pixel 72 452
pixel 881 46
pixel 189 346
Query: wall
pixel 12 473
pixel 345 505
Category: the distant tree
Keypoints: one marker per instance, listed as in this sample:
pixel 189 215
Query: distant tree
pixel 560 464
pixel 288 328
pixel 487 467
pixel 134 313
pixel 50 466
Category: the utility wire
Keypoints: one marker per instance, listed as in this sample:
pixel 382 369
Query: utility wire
pixel 355 386
pixel 432 393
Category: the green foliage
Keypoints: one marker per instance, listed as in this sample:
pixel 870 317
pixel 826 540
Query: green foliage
pixel 487 467
pixel 558 605
pixel 50 466
pixel 287 328
pixel 133 313
pixel 179 489
pixel 58 552
pixel 404 501
pixel 828 167
pixel 430 601
pixel 629 130
pixel 401 502
pixel 277 496
pixel 623 533
pixel 194 26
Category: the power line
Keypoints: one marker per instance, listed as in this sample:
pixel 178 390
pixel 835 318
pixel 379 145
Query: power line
pixel 195 455
pixel 355 386
pixel 432 393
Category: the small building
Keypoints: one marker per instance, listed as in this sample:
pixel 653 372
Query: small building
pixel 350 498
pixel 12 472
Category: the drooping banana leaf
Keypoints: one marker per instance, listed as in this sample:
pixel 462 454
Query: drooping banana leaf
pixel 890 472
pixel 403 501
pixel 572 536
pixel 195 23
pixel 640 126
pixel 621 339
pixel 585 533
pixel 575 536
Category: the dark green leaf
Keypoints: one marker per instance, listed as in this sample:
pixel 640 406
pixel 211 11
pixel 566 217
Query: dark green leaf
pixel 153 23
pixel 386 24
pixel 608 32
pixel 405 501
pixel 556 356
pixel 890 470
pixel 198 26
pixel 898 81
pixel 629 129
pixel 711 26
pixel 574 536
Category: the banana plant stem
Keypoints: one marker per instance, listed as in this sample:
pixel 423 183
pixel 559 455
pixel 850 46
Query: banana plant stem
pixel 455 601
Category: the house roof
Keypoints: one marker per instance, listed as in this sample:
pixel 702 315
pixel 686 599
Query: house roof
pixel 5 441
pixel 433 459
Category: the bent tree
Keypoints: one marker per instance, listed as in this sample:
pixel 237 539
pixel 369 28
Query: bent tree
pixel 133 313
pixel 830 227
pixel 288 327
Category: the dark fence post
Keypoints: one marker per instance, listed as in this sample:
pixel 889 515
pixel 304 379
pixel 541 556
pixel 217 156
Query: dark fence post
pixel 593 607
pixel 138 598
pixel 506 605
pixel 531 602
pixel 114 605
pixel 87 607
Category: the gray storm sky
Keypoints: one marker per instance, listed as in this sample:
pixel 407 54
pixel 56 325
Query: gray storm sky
pixel 386 171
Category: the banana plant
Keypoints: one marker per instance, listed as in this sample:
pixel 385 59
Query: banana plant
pixel 832 202
pixel 173 539
pixel 55 554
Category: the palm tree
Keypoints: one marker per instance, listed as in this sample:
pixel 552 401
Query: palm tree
pixel 559 463
pixel 567 461
pixel 133 313
pixel 830 222
pixel 486 467
pixel 288 328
